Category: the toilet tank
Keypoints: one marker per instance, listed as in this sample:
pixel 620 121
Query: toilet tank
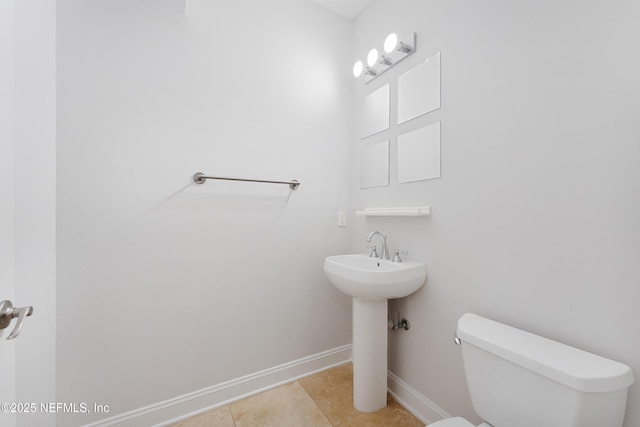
pixel 518 379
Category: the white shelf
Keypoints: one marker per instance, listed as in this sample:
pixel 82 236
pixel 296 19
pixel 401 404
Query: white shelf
pixel 397 211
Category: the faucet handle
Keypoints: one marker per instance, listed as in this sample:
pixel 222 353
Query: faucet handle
pixel 374 251
pixel 396 257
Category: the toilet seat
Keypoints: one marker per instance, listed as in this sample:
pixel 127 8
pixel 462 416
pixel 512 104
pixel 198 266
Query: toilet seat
pixel 452 422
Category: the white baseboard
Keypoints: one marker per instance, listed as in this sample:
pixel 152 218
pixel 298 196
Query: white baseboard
pixel 188 405
pixel 421 407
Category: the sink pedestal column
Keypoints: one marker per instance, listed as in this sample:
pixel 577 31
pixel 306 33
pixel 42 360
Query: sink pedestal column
pixel 369 354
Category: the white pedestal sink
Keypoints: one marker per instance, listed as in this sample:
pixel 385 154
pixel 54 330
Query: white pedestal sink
pixel 370 282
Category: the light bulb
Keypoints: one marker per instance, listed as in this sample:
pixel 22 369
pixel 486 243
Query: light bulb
pixel 390 42
pixel 357 68
pixel 372 58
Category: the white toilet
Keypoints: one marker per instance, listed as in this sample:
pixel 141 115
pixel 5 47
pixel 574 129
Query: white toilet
pixel 518 379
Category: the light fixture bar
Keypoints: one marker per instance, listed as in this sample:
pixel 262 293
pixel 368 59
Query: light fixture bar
pixel 396 50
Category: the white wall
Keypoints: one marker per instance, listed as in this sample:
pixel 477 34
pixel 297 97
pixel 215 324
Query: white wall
pixel 535 218
pixel 35 191
pixel 166 287
pixel 7 199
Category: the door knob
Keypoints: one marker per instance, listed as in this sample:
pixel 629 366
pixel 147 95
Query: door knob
pixel 9 312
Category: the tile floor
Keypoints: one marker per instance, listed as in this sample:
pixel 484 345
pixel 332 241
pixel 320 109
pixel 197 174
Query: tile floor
pixel 319 400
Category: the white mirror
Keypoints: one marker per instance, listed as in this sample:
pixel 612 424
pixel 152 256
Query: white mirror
pixel 419 89
pixel 419 154
pixel 375 112
pixel 374 165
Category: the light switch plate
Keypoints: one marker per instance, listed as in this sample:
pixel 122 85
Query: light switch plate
pixel 342 219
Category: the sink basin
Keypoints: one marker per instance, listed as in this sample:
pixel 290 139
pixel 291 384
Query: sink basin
pixel 361 276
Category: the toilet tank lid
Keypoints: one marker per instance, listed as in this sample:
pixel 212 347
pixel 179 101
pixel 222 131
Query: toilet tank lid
pixel 567 365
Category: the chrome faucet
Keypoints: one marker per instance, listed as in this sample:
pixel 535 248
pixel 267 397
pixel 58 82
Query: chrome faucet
pixel 384 254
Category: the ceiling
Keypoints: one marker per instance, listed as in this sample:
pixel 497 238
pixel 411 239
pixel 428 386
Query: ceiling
pixel 350 9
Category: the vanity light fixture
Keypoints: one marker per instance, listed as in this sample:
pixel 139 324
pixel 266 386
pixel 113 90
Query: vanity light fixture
pixel 372 58
pixel 391 44
pixel 357 68
pixel 385 60
pixel 396 50
pixel 371 72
